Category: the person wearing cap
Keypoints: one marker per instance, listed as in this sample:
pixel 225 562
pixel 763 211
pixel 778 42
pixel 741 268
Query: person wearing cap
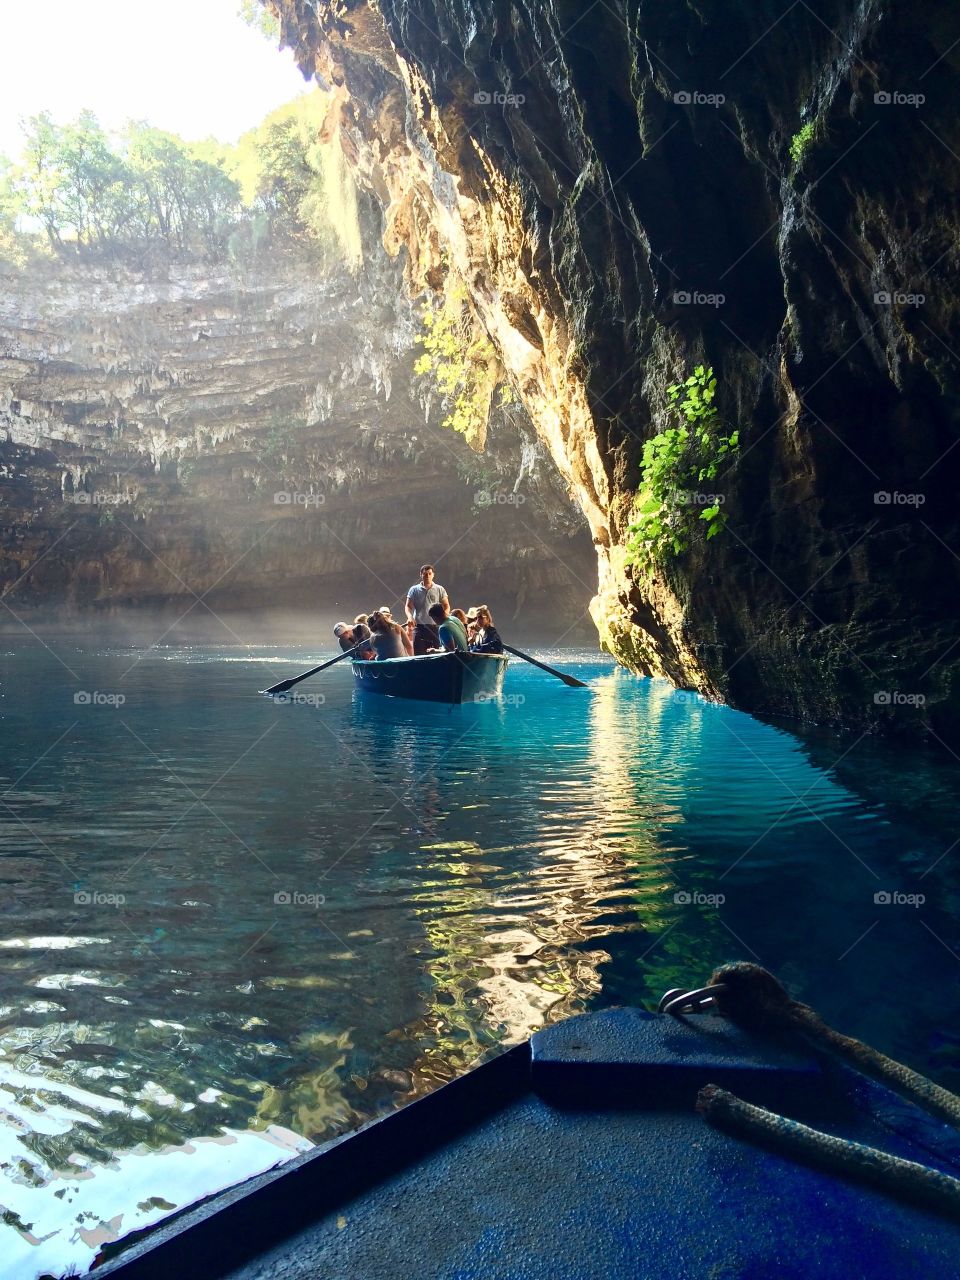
pixel 421 597
pixel 486 637
pixel 344 634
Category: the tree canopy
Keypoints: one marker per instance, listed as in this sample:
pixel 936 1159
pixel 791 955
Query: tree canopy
pixel 261 18
pixel 76 188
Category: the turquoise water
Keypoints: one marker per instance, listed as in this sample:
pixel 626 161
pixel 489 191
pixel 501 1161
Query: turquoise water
pixel 230 927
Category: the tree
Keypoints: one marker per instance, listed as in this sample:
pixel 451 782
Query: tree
pixel 72 181
pixel 11 248
pixel 261 18
pixel 87 190
pixel 291 170
pixel 213 196
pixel 159 161
pixel 38 180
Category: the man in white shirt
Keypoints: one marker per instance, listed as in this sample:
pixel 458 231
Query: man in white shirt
pixel 420 598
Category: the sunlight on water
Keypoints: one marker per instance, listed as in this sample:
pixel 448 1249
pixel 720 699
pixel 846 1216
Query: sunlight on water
pixel 232 927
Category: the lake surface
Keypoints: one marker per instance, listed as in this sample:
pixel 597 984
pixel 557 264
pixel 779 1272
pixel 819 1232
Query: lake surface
pixel 231 927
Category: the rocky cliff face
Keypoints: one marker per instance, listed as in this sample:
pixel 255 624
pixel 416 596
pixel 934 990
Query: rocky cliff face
pixel 252 436
pixel 630 187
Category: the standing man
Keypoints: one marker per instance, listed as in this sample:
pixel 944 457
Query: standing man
pixel 420 598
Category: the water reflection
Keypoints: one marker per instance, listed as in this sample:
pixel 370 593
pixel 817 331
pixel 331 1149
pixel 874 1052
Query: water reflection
pixel 328 910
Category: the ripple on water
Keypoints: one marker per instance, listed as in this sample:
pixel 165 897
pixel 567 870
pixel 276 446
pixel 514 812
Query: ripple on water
pixel 328 910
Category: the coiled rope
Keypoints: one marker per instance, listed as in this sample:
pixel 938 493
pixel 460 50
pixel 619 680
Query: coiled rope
pixel 752 997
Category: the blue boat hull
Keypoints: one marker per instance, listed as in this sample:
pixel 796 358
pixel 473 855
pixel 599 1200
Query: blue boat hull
pixel 580 1154
pixel 435 677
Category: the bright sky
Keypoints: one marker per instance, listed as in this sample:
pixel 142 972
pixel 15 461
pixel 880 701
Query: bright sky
pixel 189 66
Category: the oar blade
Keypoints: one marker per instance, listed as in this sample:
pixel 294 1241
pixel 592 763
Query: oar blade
pixel 573 682
pixel 282 687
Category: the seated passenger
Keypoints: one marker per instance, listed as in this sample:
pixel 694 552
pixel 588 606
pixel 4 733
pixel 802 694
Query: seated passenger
pixel 458 613
pixel 389 640
pixel 452 633
pixel 486 637
pixel 344 634
pixel 361 636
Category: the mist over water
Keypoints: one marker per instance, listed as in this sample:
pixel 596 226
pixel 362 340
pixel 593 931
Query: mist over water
pixel 231 927
pixel 186 623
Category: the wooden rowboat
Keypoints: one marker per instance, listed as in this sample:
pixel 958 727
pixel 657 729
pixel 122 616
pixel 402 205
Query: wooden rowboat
pixel 435 677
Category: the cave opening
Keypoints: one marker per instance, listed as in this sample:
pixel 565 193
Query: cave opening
pixel 635 321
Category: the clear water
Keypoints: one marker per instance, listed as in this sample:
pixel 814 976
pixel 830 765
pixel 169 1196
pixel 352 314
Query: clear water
pixel 229 926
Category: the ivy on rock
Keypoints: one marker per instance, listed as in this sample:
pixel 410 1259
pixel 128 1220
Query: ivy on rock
pixel 670 503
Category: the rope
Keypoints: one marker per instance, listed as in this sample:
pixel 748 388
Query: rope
pixel 755 999
pixel 726 1111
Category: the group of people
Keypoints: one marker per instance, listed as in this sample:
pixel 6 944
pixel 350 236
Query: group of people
pixel 431 627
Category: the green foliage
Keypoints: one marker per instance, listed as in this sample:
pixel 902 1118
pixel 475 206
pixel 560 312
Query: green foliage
pixel 666 511
pixel 11 248
pixel 290 170
pixel 85 190
pixel 79 188
pixel 460 360
pixel 802 141
pixel 256 14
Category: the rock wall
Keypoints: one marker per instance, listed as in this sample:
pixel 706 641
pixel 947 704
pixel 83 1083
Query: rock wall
pixel 252 435
pixel 633 186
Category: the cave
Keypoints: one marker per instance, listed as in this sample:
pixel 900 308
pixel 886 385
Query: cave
pixel 345 930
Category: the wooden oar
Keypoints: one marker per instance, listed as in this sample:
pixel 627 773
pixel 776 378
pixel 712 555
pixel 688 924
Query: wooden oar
pixel 572 681
pixel 284 685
